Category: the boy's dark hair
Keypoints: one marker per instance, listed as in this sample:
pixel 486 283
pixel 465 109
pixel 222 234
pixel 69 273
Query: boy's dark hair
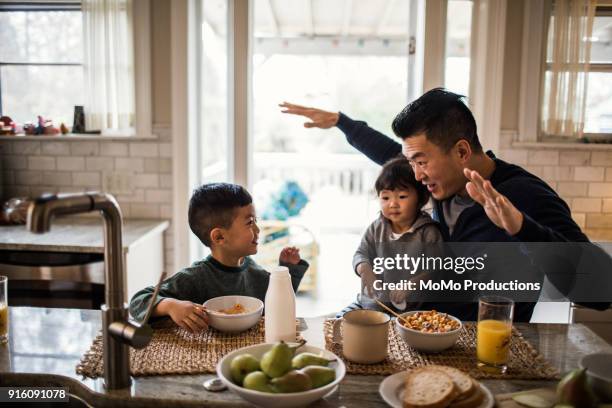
pixel 214 205
pixel 397 174
pixel 442 116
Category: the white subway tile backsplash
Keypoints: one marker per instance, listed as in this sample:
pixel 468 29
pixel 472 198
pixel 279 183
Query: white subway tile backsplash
pixel 144 149
pixel 26 147
pixel 543 157
pixel 165 211
pixel 586 205
pixel 85 148
pixel 129 163
pixel 599 221
pixel 86 179
pixel 114 149
pixel 574 158
pixel 55 148
pixel 41 163
pixel 571 189
pixel 70 163
pixel 99 163
pixel 600 189
pixel 146 180
pixel 15 162
pixel 601 158
pixel 28 177
pixel 158 165
pixel 515 156
pixel 5 147
pixel 158 196
pixel 8 177
pixel 580 219
pixel 584 173
pixel 145 210
pixel 557 173
pixel 57 178
pixel 165 180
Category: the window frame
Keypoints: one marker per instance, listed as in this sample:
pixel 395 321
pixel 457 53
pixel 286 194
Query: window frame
pixel 36 7
pixel 534 41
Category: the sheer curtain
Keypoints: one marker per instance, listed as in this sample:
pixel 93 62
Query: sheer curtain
pixel 568 56
pixel 109 66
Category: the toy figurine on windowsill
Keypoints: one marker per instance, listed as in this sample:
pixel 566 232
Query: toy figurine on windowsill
pixel 43 127
pixel 7 126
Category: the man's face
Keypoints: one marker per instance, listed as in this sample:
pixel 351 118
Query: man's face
pixel 441 172
pixel 241 237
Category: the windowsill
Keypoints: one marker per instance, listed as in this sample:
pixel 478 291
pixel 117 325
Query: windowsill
pixel 562 145
pixel 78 136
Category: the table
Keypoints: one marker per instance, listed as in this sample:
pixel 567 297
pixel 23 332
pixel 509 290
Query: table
pixel 46 344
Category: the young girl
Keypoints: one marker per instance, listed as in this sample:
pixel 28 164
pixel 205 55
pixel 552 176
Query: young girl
pixel 401 226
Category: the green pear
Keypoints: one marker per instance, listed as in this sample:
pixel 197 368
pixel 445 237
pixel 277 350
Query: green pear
pixel 307 359
pixel 574 390
pixel 277 361
pixel 319 376
pixel 293 381
pixel 241 366
pixel 257 381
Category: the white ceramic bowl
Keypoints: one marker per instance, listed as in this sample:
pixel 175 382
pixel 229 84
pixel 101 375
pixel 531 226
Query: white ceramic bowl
pixel 264 399
pixel 233 322
pixel 428 342
pixel 599 374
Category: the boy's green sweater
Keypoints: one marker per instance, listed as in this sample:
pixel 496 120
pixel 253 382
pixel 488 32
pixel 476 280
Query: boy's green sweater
pixel 208 278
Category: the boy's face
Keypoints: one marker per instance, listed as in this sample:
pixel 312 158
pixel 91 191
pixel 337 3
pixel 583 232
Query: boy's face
pixel 241 237
pixel 400 205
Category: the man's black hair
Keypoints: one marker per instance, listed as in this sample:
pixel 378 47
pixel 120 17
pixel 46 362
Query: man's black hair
pixel 442 116
pixel 397 174
pixel 214 205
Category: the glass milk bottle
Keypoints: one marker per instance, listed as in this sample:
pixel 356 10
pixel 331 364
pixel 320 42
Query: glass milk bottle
pixel 280 307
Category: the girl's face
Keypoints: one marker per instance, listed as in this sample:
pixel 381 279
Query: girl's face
pixel 400 206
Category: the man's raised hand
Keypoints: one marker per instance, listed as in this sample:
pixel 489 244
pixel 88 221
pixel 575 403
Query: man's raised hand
pixel 497 206
pixel 319 118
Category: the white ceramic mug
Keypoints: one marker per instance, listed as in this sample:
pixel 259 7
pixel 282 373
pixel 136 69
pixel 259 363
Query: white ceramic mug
pixel 364 335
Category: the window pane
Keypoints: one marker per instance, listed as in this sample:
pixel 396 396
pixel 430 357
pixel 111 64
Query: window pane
pixel 53 36
pixel 214 108
pixel 601 45
pixel 49 91
pixel 599 103
pixel 458 37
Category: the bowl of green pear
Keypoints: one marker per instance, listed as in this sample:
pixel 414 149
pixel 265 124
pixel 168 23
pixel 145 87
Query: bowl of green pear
pixel 281 374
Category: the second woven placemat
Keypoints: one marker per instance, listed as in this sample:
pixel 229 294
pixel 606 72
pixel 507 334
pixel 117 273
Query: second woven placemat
pixel 174 350
pixel 525 361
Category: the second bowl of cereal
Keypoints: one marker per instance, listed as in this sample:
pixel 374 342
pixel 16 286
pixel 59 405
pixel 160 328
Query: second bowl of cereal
pixel 428 330
pixel 233 313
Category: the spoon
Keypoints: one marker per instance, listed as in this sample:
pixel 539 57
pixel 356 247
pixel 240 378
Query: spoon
pixel 391 311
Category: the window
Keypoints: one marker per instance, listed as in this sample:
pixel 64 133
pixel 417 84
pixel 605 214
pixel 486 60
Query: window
pixel 599 90
pixel 41 55
pixel 598 85
pixel 458 37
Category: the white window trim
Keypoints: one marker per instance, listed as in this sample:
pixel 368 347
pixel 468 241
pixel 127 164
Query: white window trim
pixel 434 44
pixel 487 69
pixel 142 68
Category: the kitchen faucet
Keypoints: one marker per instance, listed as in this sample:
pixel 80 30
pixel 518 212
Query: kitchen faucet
pixel 118 332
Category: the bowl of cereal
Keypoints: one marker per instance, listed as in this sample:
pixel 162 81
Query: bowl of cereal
pixel 233 313
pixel 428 330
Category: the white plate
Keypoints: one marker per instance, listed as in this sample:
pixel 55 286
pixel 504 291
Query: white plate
pixel 392 388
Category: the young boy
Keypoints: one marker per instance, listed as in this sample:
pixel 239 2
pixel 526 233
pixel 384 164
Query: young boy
pixel 401 220
pixel 222 216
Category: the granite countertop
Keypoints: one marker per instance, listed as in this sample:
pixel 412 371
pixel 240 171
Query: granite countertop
pixel 76 234
pixel 46 344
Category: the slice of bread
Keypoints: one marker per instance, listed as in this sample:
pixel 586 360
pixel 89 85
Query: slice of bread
pixel 472 401
pixel 428 388
pixel 464 383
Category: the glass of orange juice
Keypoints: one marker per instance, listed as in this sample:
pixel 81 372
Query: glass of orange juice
pixel 4 326
pixel 494 332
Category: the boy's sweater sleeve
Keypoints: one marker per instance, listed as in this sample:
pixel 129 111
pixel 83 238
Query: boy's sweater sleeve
pixel 375 145
pixel 178 286
pixel 297 272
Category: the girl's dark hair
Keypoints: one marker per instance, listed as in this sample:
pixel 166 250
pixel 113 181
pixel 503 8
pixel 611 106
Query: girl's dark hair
pixel 397 174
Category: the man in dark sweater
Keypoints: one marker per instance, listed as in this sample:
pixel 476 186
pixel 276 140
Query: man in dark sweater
pixel 477 197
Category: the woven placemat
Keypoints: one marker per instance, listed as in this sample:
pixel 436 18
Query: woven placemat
pixel 525 361
pixel 174 350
